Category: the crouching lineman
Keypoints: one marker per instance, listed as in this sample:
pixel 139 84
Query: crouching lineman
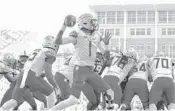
pixel 137 84
pixel 41 60
pixel 11 75
pixel 162 74
pixel 86 41
pixel 118 70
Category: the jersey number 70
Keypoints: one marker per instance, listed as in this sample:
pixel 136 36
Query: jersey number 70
pixel 164 62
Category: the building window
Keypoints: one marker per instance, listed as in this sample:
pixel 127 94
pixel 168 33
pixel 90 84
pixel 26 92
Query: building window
pixel 140 48
pixel 111 31
pixel 163 31
pixel 142 31
pixel 162 16
pixel 138 31
pixel 120 17
pixel 149 47
pixel 117 32
pixel 163 47
pixel 102 32
pixel 101 17
pixel 111 16
pixel 131 17
pixel 171 31
pixel 148 31
pixel 141 17
pixel 151 17
pixel 132 31
pixel 171 16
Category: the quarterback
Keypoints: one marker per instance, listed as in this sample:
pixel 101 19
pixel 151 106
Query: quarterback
pixel 86 40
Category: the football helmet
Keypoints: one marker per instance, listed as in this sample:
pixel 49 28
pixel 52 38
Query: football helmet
pixel 8 59
pixel 143 58
pixel 131 52
pixel 88 22
pixel 158 54
pixel 23 57
pixel 49 42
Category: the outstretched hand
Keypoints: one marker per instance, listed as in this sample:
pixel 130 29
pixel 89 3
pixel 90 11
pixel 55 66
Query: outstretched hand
pixel 107 37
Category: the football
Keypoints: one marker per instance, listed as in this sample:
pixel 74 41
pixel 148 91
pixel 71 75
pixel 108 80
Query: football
pixel 70 20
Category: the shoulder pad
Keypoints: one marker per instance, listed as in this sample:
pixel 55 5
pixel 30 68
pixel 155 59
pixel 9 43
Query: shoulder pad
pixel 73 34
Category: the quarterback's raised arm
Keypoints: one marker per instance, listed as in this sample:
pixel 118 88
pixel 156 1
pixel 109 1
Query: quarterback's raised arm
pixel 69 21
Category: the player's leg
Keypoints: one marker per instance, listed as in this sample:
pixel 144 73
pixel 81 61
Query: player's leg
pixel 113 82
pixel 100 86
pixel 128 94
pixel 63 84
pixel 41 97
pixel 8 94
pixel 91 96
pixel 156 93
pixel 170 93
pixel 38 84
pixel 143 92
pixel 16 95
pixel 79 77
pixel 28 97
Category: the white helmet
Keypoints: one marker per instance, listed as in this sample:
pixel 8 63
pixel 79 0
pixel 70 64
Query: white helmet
pixel 8 59
pixel 158 53
pixel 131 52
pixel 49 42
pixel 88 22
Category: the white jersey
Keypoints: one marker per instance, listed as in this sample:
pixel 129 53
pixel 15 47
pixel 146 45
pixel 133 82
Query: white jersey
pixel 86 48
pixel 120 66
pixel 161 67
pixel 140 71
pixel 67 69
pixel 37 61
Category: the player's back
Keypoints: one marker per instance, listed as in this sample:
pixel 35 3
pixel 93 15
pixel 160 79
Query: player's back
pixel 140 71
pixel 121 65
pixel 161 67
pixel 86 48
pixel 36 62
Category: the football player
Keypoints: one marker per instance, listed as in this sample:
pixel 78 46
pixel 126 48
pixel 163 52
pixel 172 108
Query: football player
pixel 118 70
pixel 40 61
pixel 10 62
pixel 86 40
pixel 162 74
pixel 64 78
pixel 137 84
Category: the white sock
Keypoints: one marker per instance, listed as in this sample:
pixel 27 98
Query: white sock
pixel 72 100
pixel 9 104
pixel 51 100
